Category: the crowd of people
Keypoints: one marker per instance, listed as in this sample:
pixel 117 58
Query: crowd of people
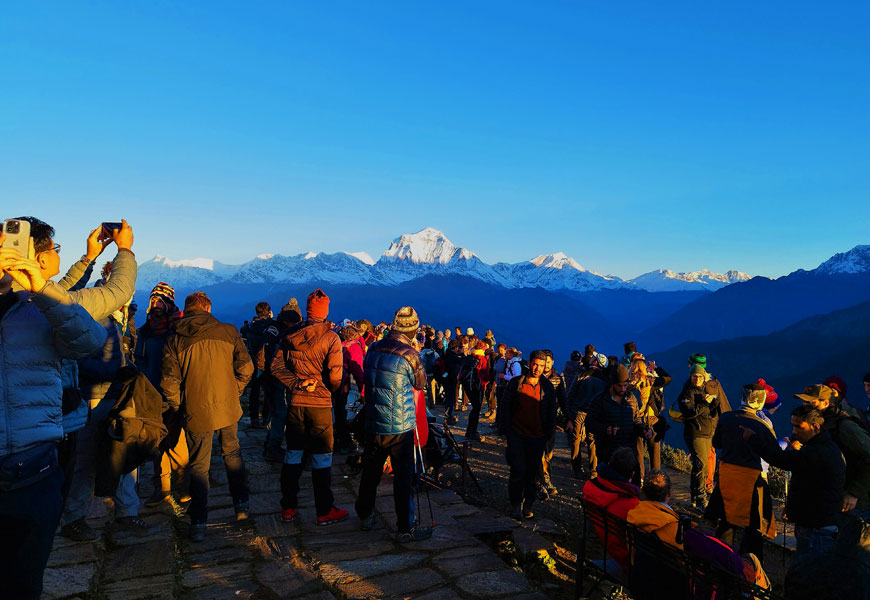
pixel 89 398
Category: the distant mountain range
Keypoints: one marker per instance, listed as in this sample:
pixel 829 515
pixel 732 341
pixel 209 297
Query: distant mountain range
pixel 792 330
pixel 761 306
pixel 411 256
pixel 790 359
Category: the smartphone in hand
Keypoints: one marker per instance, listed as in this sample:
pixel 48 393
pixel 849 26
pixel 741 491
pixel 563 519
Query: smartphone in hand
pixel 17 236
pixel 109 229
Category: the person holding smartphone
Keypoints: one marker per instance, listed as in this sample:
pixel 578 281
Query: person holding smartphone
pixel 38 327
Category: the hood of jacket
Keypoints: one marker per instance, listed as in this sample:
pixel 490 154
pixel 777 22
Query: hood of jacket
pixel 307 337
pixel 195 322
pixel 653 517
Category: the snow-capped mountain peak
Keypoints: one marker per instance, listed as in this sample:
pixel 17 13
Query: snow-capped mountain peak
pixel 430 252
pixel 559 260
pixel 363 256
pixel 665 280
pixel 856 260
pixel 196 263
pixel 428 246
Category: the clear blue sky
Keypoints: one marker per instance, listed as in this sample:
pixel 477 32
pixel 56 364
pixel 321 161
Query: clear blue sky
pixel 633 136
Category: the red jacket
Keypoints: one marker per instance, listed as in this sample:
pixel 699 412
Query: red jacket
pixel 617 498
pixel 353 355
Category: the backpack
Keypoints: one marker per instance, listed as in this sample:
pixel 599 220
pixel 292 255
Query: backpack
pixel 524 365
pixel 468 374
pixel 428 358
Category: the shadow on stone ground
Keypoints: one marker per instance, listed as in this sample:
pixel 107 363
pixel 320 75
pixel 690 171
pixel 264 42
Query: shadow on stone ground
pixel 558 520
pixel 476 551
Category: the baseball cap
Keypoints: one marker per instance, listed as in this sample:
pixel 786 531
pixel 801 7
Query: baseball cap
pixel 818 391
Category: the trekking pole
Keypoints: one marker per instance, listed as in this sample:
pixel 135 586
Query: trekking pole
pixel 422 482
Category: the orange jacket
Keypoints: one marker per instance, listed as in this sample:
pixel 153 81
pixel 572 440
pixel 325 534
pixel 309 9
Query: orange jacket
pixel 657 518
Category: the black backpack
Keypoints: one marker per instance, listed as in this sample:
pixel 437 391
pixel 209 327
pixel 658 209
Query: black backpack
pixel 468 375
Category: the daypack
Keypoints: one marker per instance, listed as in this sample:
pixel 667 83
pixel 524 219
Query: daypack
pixel 468 375
pixel 428 358
pixel 131 434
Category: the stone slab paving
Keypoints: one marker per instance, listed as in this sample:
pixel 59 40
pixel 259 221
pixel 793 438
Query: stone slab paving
pixel 263 558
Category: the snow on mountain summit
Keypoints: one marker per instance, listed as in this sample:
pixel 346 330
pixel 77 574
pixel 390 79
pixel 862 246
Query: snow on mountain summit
pixel 856 260
pixel 430 252
pixel 665 280
pixel 559 260
pixel 363 256
pixel 426 246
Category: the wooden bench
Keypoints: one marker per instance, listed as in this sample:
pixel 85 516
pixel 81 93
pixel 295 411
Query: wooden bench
pixel 656 570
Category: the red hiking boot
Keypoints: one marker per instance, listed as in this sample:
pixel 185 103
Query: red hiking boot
pixel 335 515
pixel 288 514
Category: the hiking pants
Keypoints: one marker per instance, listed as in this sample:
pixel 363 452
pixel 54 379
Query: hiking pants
pixel 309 428
pixel 524 455
pixel 655 455
pixel 699 450
pixel 28 519
pixel 451 394
pixel 254 395
pixel 81 486
pixel 400 449
pixel 277 415
pixel 544 467
pixel 341 432
pixel 199 445
pixel 752 539
pixel 475 397
pixel 577 437
pixel 66 460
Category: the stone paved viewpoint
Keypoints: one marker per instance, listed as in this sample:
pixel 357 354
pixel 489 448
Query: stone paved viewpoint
pixel 261 557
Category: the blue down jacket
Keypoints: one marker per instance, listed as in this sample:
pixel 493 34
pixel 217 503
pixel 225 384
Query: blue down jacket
pixel 392 371
pixel 35 333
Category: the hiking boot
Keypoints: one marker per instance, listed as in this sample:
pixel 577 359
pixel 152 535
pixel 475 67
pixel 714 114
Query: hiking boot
pixel 274 454
pixel 416 534
pixel 551 489
pixel 368 523
pixel 527 511
pixel 157 498
pixel 451 420
pixel 335 515
pixel 241 511
pixel 197 532
pixel 78 531
pixel 288 515
pixel 134 525
pixel 542 494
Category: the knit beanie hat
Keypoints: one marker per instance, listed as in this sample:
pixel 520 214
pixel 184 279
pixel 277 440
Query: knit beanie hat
pixel 698 359
pixel 698 370
pixel 772 401
pixel 317 307
pixel 619 374
pixel 836 383
pixel 754 396
pixel 406 320
pixel 164 290
pixel 290 313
